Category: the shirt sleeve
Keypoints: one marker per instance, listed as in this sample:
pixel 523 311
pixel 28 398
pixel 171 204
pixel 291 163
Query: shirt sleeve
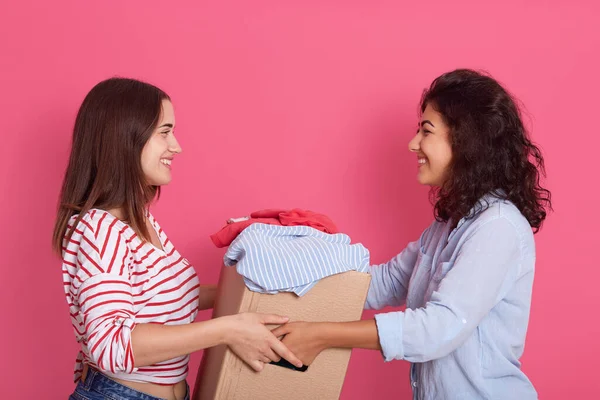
pixel 472 287
pixel 105 298
pixel 389 281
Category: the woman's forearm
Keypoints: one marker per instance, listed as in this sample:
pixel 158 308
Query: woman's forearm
pixel 153 343
pixel 355 334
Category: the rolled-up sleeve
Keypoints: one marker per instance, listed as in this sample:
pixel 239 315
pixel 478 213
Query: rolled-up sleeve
pixel 107 307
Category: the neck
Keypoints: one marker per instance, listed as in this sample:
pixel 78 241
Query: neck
pixel 117 213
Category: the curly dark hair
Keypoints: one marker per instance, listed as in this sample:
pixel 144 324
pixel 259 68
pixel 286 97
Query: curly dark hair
pixel 491 150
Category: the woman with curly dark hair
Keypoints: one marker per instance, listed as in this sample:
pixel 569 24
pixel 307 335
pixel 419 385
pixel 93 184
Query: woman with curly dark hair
pixel 467 281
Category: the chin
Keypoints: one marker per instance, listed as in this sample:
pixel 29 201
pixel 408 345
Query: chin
pixel 423 181
pixel 160 182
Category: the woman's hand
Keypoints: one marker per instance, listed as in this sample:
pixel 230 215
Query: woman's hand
pixel 254 343
pixel 304 339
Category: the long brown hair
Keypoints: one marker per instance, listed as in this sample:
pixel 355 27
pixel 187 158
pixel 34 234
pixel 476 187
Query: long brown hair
pixel 116 119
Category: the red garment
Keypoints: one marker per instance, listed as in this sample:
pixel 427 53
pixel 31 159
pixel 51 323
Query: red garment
pixel 294 217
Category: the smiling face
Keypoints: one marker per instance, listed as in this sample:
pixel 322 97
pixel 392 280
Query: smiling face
pixel 433 148
pixel 160 149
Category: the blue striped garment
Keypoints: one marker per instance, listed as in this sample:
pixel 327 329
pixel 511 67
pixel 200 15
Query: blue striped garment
pixel 274 258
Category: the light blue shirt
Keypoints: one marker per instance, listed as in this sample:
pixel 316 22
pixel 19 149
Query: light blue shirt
pixel 467 294
pixel 274 258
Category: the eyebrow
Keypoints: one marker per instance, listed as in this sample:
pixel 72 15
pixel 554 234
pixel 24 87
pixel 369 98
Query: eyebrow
pixel 166 126
pixel 427 122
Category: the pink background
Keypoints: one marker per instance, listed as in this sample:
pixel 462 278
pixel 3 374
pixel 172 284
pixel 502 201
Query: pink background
pixel 297 104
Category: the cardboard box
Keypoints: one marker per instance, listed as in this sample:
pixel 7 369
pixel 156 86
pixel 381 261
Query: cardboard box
pixel 222 375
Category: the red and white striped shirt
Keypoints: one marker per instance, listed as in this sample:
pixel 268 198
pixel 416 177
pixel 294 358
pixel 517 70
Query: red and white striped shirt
pixel 113 281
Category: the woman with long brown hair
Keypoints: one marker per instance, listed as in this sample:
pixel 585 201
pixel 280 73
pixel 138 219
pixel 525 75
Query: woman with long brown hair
pixel 132 297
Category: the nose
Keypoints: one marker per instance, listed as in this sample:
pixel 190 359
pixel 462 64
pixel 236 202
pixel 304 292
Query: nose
pixel 174 146
pixel 414 144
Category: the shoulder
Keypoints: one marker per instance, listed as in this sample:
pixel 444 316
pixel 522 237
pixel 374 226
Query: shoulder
pixel 504 212
pixel 503 220
pixel 101 230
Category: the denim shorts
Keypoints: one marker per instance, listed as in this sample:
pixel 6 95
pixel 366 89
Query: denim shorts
pixel 100 387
